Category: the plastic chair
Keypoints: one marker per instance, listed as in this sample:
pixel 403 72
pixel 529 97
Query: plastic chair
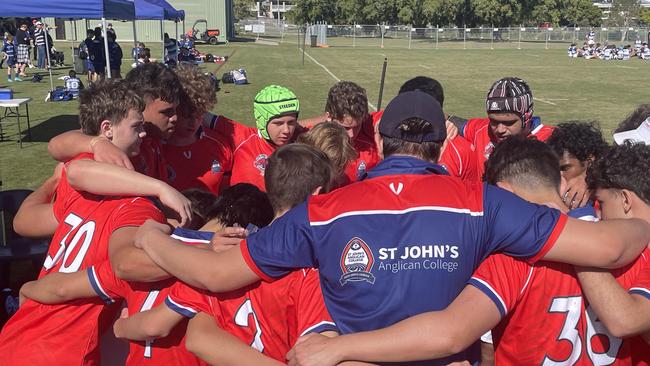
pixel 13 246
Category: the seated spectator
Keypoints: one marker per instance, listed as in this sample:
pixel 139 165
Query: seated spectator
pixel 73 84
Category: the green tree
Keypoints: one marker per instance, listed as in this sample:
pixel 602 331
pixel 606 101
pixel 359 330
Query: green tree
pixel 243 8
pixel 566 13
pixel 624 12
pixel 644 16
pixel 312 11
pixel 499 13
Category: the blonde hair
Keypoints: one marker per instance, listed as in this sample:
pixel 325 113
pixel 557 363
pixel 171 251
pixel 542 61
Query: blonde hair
pixel 333 140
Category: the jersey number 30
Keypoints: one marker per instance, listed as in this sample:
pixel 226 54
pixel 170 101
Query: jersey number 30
pixel 67 245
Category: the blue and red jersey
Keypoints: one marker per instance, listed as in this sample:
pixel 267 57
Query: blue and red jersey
pixel 381 244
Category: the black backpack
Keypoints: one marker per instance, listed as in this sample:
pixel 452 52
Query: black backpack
pixel 37 78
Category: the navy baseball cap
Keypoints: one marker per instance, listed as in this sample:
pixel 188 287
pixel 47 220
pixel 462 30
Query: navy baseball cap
pixel 413 104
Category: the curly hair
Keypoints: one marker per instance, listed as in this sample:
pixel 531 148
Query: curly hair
pixel 634 119
pixel 154 80
pixel 198 92
pixel 108 99
pixel 584 140
pixel 623 167
pixel 346 97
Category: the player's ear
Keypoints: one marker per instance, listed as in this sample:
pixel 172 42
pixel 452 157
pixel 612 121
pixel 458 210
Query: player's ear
pixel 507 186
pixel 628 200
pixel 106 128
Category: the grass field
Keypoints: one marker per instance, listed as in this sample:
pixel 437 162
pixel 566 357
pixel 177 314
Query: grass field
pixel 564 89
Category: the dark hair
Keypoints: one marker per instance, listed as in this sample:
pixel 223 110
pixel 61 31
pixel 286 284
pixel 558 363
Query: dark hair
pixel 526 163
pixel 72 73
pixel 346 97
pixel 293 172
pixel 202 202
pixel 623 167
pixel 634 119
pixel 97 32
pixel 90 32
pixel 427 85
pixel 583 140
pixel 429 151
pixel 242 204
pixel 108 99
pixel 153 81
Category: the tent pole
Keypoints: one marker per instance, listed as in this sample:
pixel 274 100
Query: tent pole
pixel 106 52
pixel 176 25
pixel 47 55
pixel 162 37
pixel 74 39
pixel 135 43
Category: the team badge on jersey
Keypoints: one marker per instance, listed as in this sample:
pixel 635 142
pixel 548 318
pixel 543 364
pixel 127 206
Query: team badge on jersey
pixel 361 170
pixel 260 162
pixel 488 149
pixel 356 262
pixel 216 167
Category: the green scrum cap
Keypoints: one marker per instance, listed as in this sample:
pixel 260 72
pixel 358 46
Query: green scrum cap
pixel 272 102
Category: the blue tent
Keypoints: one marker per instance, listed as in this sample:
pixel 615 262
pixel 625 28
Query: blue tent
pixel 147 10
pixel 170 12
pixel 69 9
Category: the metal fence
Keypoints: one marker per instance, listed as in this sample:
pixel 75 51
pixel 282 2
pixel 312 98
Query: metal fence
pixel 406 37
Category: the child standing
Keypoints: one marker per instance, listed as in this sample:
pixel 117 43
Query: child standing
pixel 9 49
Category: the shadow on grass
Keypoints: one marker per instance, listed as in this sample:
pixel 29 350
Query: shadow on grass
pixel 53 126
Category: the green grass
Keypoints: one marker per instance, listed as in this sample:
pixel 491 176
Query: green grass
pixel 566 89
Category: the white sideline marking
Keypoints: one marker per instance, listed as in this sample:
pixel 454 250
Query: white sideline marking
pixel 426 67
pixel 332 74
pixel 544 101
pixel 626 67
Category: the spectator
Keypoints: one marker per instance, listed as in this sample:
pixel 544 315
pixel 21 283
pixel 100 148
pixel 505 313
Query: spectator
pixel 22 49
pixel 137 50
pixel 115 55
pixel 110 30
pixel 39 42
pixel 73 84
pixel 84 53
pixel 171 50
pixel 97 55
pixel 9 50
pixel 2 54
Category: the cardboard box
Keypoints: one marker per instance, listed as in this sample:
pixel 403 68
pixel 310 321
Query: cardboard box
pixel 6 94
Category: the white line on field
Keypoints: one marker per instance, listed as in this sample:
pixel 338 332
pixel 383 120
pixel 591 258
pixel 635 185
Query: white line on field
pixel 544 101
pixel 626 67
pixel 426 67
pixel 332 75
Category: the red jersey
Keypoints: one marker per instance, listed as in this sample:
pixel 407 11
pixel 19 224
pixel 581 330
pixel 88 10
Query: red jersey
pixel 68 334
pixel 477 132
pixel 231 132
pixel 202 164
pixel 150 160
pixel 364 144
pixel 459 159
pixel 641 287
pixel 249 161
pixel 142 296
pixel 268 316
pixel 545 318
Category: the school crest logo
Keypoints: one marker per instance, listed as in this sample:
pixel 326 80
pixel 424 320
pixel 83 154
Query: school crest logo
pixel 488 150
pixel 216 167
pixel 260 162
pixel 494 106
pixel 356 262
pixel 361 170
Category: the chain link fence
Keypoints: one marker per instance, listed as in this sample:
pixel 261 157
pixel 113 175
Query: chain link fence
pixel 406 37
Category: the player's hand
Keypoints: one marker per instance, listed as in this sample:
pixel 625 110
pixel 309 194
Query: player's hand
pixel 149 231
pixel 118 327
pixel 21 295
pixel 312 350
pixel 105 152
pixel 452 130
pixel 228 237
pixel 577 194
pixel 175 200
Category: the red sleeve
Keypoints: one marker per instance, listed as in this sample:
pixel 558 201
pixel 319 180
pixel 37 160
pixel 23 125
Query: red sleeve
pixel 459 158
pixel 312 316
pixel 470 128
pixel 135 212
pixel 502 279
pixel 65 194
pixel 641 286
pixel 188 301
pixel 105 283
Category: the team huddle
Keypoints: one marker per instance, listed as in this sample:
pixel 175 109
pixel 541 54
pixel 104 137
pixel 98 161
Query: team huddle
pixel 406 235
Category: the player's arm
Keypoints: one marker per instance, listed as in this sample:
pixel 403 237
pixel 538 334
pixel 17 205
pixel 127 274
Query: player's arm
pixel 38 208
pixel 58 287
pixel 108 179
pixel 72 143
pixel 447 332
pixel 623 314
pixel 604 244
pixel 217 272
pixel 202 336
pixel 146 325
pixel 130 263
